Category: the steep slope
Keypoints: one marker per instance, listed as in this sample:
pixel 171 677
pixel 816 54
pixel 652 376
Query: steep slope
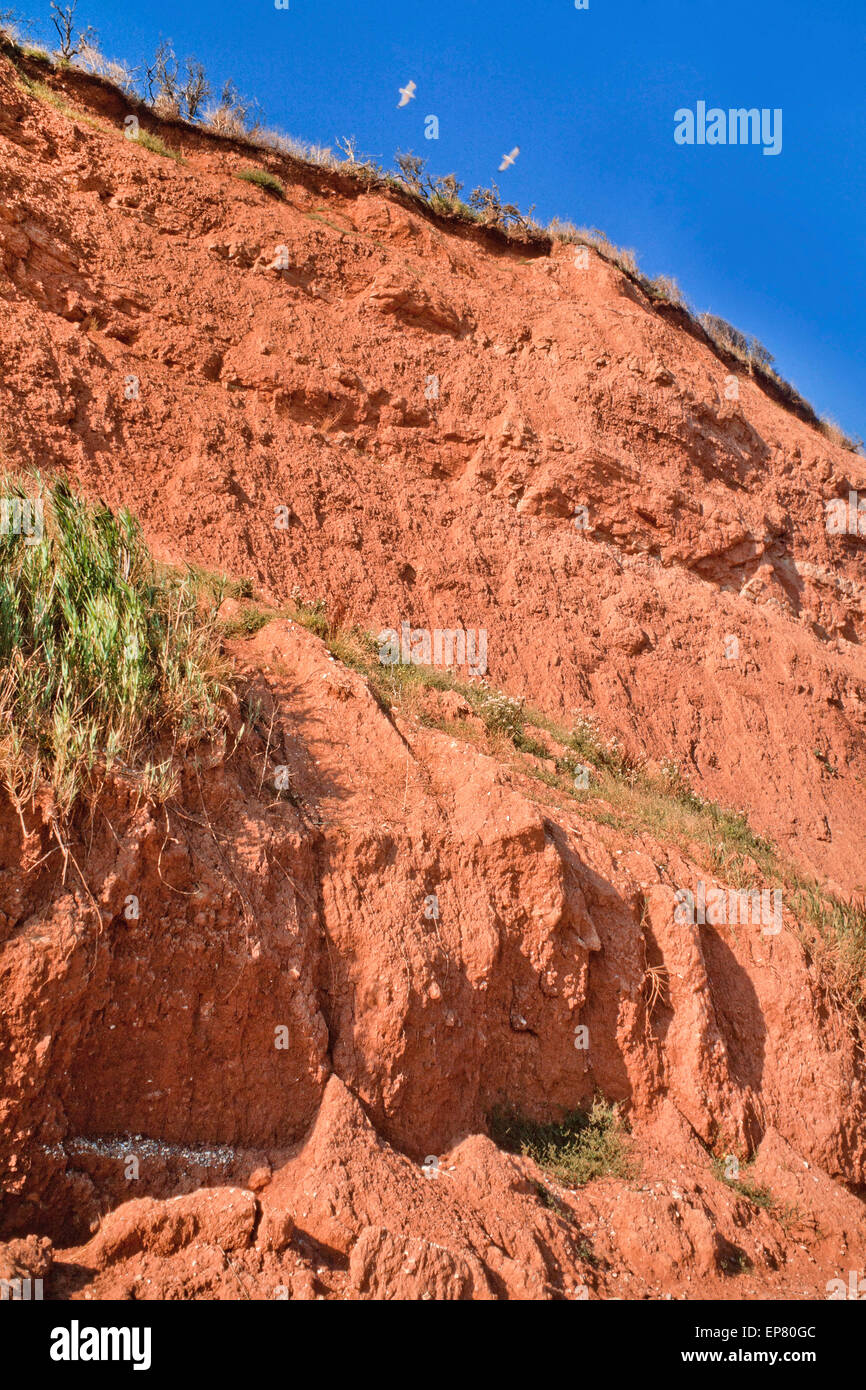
pixel 559 388
pixel 156 351
pixel 283 954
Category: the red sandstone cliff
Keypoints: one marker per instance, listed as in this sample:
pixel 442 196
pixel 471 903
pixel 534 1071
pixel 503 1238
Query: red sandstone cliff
pixel 308 388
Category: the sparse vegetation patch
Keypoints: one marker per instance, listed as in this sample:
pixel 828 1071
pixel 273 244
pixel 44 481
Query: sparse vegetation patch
pixel 584 1145
pixel 157 146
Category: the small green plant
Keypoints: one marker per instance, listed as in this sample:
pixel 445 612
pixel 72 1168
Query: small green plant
pixel 239 588
pixel 445 198
pixel 489 208
pixel 262 179
pixel 582 1146
pixel 452 208
pixel 833 933
pixel 311 613
pixel 214 587
pixel 758 1194
pixel 247 623
pixel 157 146
pixel 160 781
pixel 678 785
pixel 524 743
pixel 590 746
pixel 824 760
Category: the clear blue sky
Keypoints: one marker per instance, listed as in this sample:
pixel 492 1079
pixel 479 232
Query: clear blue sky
pixel 774 244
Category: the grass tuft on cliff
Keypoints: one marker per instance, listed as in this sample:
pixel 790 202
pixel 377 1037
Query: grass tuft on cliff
pixel 105 660
pixel 158 146
pixel 269 183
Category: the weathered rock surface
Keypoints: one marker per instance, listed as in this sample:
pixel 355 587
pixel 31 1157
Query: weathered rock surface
pixel 235 1093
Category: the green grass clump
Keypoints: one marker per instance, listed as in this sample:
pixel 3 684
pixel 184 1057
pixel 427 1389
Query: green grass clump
pixel 44 93
pixel 312 614
pixel 158 146
pixel 247 623
pixel 591 747
pixel 262 179
pixel 215 587
pixel 757 1194
pixel 104 660
pixel 582 1146
pixel 524 743
pixel 453 207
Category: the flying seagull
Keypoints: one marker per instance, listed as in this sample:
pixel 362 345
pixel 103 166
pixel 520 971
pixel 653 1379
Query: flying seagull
pixel 508 159
pixel 406 94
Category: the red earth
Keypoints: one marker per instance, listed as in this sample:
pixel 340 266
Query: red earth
pixel 295 1099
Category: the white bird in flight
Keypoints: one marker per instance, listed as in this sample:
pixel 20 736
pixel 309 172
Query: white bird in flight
pixel 508 159
pixel 406 94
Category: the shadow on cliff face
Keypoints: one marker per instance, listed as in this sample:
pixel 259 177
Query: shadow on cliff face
pixel 740 1019
pixel 411 918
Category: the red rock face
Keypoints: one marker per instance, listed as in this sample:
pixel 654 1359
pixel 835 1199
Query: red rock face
pixel 235 1094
